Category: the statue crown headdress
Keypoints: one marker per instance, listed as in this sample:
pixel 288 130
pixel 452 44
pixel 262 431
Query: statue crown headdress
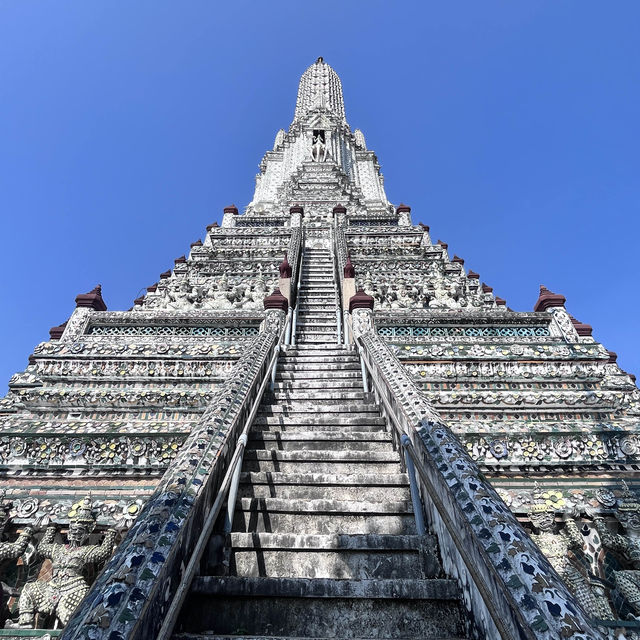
pixel 539 504
pixel 628 501
pixel 83 511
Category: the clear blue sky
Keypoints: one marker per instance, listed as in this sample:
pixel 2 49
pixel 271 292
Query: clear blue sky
pixel 510 127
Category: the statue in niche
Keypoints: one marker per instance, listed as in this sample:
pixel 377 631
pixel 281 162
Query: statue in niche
pixel 627 581
pixel 318 147
pixel 63 592
pixel 556 545
pixel 9 551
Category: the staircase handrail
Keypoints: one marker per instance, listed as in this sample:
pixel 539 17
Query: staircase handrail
pixel 228 486
pixel 296 246
pixel 294 321
pixel 505 578
pixel 338 287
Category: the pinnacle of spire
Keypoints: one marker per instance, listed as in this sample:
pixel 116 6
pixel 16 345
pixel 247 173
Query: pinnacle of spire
pixel 320 89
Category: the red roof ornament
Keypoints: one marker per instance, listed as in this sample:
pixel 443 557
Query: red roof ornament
pixel 213 225
pixel 501 302
pixel 276 301
pixel 165 274
pixel 231 209
pixel 197 243
pixel 152 288
pixel 55 333
pixel 403 208
pixel 444 245
pixel 547 299
pixel 581 328
pixel 349 269
pixel 613 356
pixel 457 259
pixel 139 300
pixel 180 260
pixel 424 227
pixel 285 267
pixel 486 288
pixel 339 209
pixel 473 275
pixel 93 299
pixel 296 209
pixel 360 301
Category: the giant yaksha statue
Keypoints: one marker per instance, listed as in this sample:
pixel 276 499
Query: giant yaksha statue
pixel 556 546
pixel 628 546
pixel 67 587
pixel 9 551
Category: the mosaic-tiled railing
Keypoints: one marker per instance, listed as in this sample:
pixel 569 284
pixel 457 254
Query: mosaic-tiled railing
pixel 258 221
pixel 463 331
pixel 508 585
pixel 375 222
pixel 212 331
pixel 131 595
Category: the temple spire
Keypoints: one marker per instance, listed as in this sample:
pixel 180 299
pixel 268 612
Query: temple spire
pixel 320 89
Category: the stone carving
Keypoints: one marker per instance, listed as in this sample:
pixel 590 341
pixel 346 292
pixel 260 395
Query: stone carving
pixel 556 546
pixel 62 593
pixel 181 294
pixel 627 581
pixel 9 551
pixel 319 148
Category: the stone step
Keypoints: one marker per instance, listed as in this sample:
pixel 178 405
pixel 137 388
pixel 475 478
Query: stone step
pixel 331 350
pixel 316 368
pixel 318 397
pixel 319 339
pixel 323 420
pixel 352 492
pixel 315 348
pixel 318 319
pixel 314 328
pixel 346 384
pixel 360 557
pixel 333 441
pixel 338 360
pixel 318 435
pixel 311 305
pixel 291 409
pixel 320 461
pixel 301 373
pixel 313 428
pixel 312 608
pixel 327 479
pixel 328 517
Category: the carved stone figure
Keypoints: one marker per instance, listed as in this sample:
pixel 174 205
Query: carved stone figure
pixel 555 545
pixel 61 594
pixel 628 546
pixel 9 551
pixel 318 149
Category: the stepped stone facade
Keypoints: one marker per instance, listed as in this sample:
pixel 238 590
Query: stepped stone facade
pixel 319 424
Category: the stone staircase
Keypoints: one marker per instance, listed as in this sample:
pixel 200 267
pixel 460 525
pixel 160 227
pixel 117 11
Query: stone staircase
pixel 324 542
